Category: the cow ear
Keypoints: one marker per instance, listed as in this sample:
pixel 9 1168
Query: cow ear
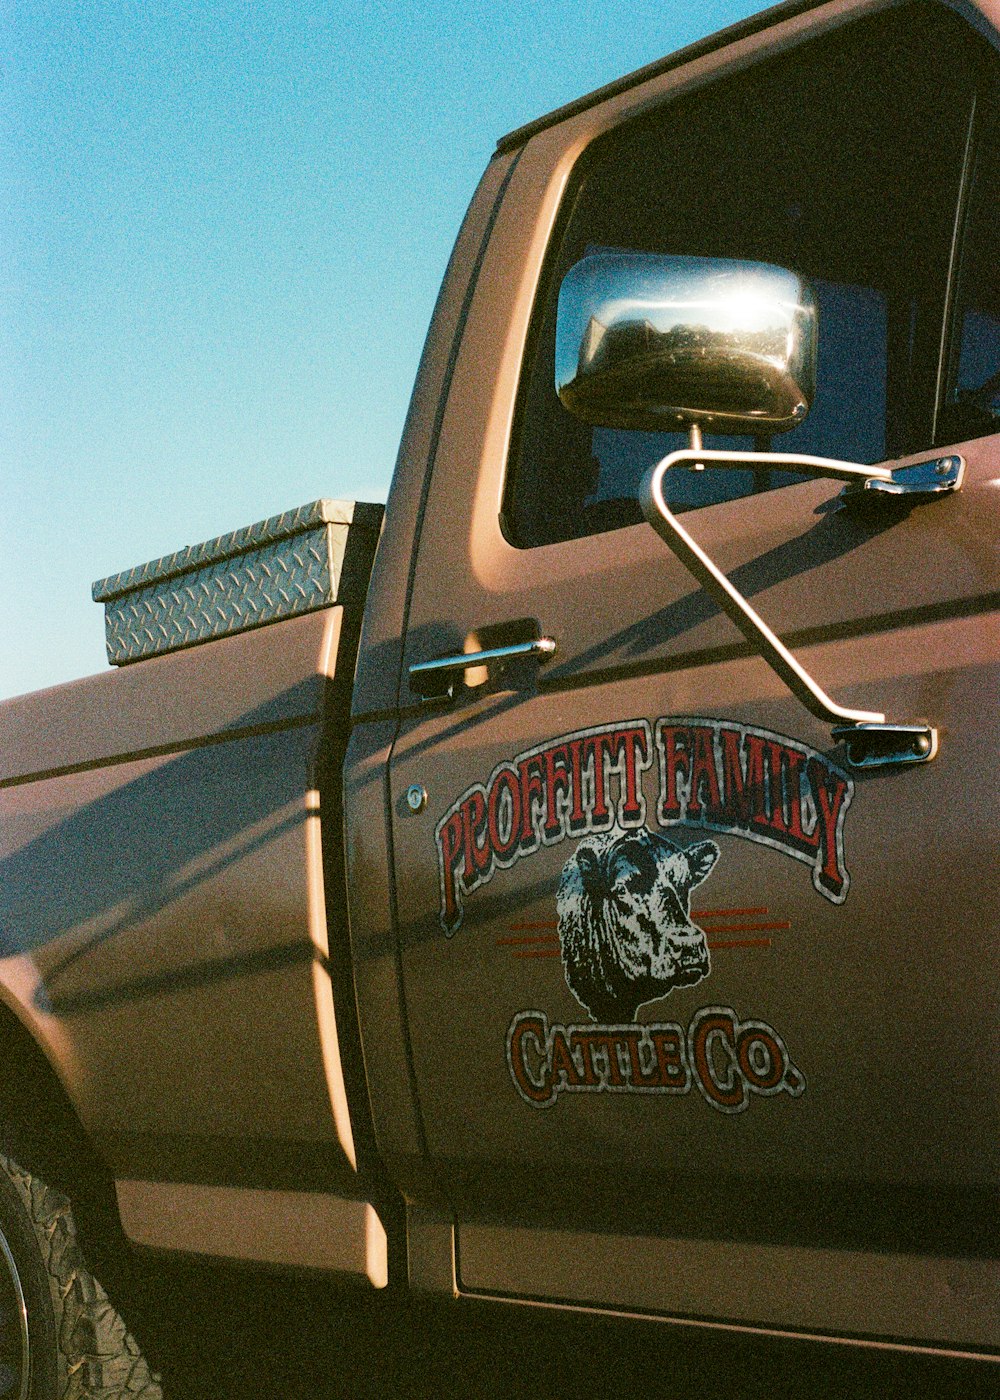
pixel 701 858
pixel 589 863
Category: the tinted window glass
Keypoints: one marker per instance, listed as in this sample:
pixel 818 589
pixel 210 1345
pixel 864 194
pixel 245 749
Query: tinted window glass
pixel 839 161
pixel 972 404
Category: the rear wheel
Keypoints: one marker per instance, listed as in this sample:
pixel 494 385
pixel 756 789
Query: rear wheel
pixel 61 1338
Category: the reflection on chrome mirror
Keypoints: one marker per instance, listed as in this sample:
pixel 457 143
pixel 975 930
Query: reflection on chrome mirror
pixel 659 342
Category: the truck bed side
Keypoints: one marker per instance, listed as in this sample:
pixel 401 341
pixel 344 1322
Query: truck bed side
pixel 165 940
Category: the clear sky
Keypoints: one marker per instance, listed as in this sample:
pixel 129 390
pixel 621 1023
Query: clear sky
pixel 223 230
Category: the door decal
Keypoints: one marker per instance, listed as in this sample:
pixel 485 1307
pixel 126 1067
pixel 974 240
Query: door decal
pixel 729 1060
pixel 715 775
pixel 627 938
pixel 764 787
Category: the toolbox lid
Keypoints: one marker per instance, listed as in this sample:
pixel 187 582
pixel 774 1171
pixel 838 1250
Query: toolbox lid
pixel 276 527
pixel 281 567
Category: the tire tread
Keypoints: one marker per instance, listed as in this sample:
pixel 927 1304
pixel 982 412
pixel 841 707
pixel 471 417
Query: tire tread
pixel 100 1357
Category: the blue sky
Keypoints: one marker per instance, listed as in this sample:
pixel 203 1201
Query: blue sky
pixel 223 230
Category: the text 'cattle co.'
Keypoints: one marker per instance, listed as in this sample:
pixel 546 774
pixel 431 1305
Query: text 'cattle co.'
pixel 729 1060
pixel 713 774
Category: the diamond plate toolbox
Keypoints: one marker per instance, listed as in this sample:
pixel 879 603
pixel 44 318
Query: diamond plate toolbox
pixel 282 567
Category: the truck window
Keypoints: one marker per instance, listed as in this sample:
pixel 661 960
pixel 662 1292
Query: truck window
pixel 972 401
pixel 838 160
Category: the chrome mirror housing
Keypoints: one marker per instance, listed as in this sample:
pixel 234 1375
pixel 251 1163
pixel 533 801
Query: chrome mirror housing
pixel 659 342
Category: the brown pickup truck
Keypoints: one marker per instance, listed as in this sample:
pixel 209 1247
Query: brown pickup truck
pixel 489 897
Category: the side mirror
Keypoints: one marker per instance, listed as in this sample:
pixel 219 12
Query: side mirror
pixel 659 343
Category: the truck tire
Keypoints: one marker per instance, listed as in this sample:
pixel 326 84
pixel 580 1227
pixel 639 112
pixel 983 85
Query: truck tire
pixel 60 1336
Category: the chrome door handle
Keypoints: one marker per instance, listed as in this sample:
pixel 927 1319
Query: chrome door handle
pixel 426 677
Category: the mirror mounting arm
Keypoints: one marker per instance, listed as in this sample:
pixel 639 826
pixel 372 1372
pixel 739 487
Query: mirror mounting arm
pixel 729 599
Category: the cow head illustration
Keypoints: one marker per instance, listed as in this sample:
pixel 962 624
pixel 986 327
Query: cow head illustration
pixel 625 924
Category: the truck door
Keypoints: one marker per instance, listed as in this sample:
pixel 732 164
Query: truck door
pixel 675 972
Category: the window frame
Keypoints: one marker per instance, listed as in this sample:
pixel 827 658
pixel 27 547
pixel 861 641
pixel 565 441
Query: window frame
pixel 929 383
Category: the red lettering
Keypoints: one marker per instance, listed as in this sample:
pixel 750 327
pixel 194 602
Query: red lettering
pixel 672 1070
pixel 449 849
pixel 505 784
pixel 712 1028
pixel 761 1058
pixel 744 795
pixel 730 1060
pixel 582 1043
pixel 784 775
pixel 577 816
pixel 477 857
pixel 557 780
pixel 753 786
pixel 703 774
pixel 632 745
pixel 561 1062
pixel 796 835
pixel 830 806
pixel 606 1044
pixel 774 753
pixel 675 748
pixel 528 1029
pixel 596 747
pixel 531 771
pixel 637 1073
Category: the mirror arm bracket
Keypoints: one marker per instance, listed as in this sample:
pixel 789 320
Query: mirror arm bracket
pixel 735 606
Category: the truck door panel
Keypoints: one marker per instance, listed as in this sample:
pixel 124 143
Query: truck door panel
pixel 811 1058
